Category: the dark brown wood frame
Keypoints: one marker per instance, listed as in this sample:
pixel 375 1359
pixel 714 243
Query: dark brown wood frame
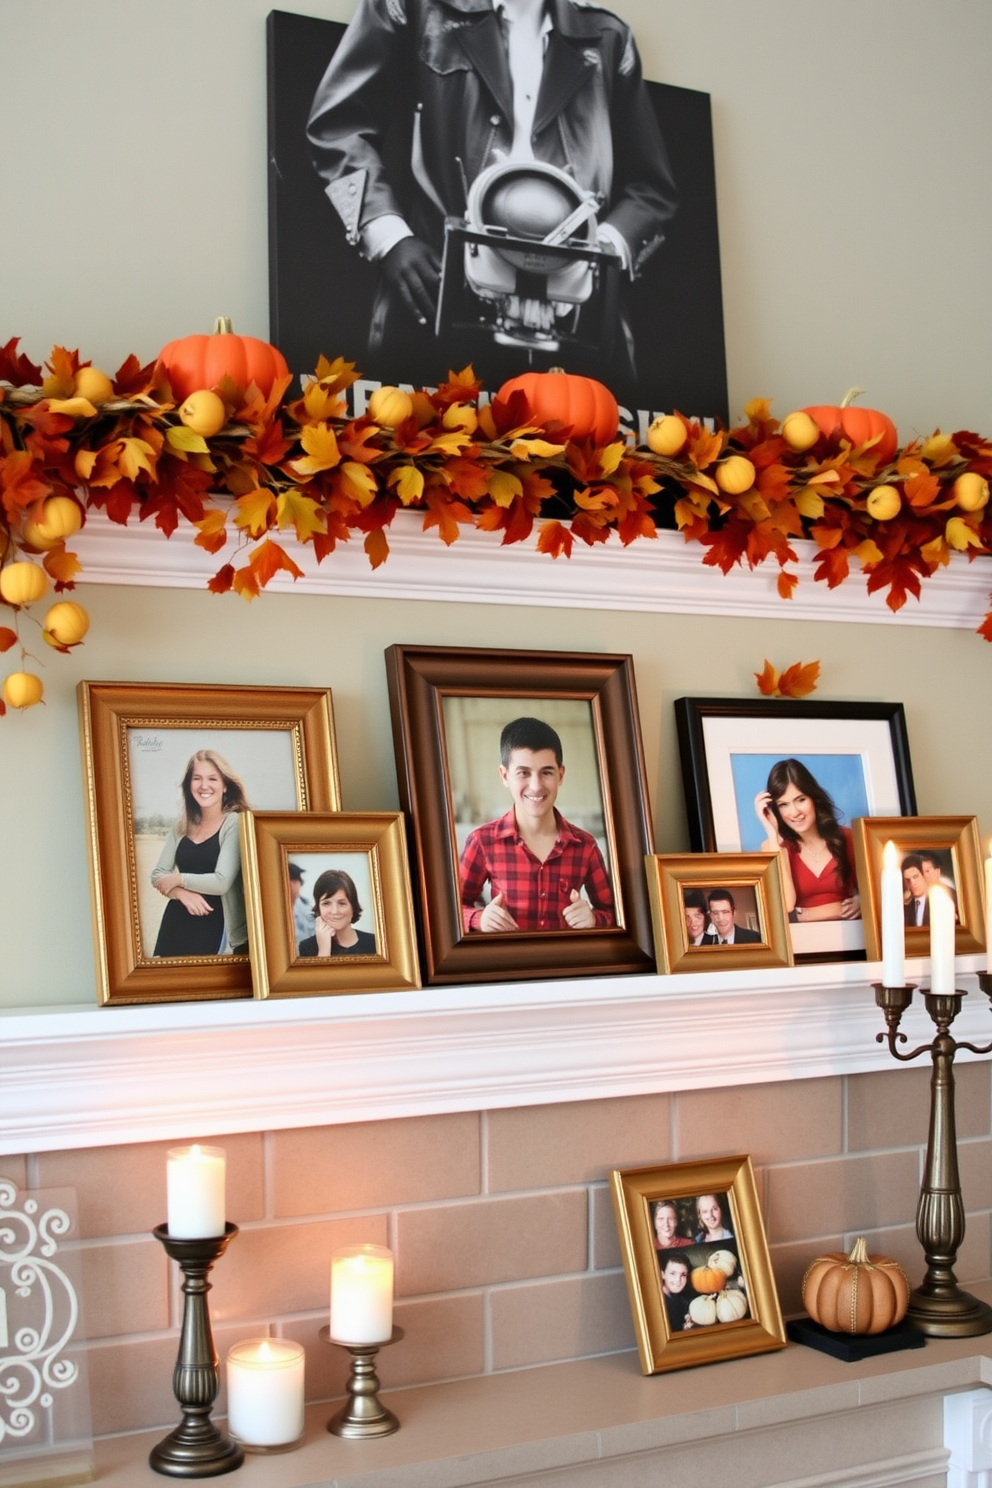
pixel 106 711
pixel 419 677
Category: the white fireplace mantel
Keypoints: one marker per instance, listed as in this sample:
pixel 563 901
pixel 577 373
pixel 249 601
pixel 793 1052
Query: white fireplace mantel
pixel 86 1076
pixel 665 575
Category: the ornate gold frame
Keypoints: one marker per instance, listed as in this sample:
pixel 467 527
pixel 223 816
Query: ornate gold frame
pixel 268 840
pixel 669 874
pixel 957 835
pixel 634 1190
pixel 106 711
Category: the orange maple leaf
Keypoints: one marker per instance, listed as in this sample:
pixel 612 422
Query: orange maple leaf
pixel 8 638
pixel 767 680
pixel 63 567
pixel 377 546
pixel 798 681
pixel 554 538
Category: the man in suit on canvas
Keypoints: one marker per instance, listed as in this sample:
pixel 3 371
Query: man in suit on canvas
pixel 726 931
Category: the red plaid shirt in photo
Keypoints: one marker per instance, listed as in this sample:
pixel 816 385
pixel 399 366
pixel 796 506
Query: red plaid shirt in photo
pixel 535 893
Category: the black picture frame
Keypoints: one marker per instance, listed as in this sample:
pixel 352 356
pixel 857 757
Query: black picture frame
pixel 420 677
pixel 773 726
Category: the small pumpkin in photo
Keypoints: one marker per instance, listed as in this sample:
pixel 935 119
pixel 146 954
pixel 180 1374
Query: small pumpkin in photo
pixel 856 1293
pixel 708 1279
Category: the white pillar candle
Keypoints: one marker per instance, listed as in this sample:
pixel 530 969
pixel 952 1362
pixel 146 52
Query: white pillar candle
pixel 893 920
pixel 988 910
pixel 362 1294
pixel 195 1185
pixel 265 1392
pixel 941 940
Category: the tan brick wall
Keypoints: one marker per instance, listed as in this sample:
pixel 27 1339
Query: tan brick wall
pixel 501 1222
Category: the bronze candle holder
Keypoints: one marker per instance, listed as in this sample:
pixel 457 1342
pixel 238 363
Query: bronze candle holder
pixel 938 1307
pixel 196 1448
pixel 363 1415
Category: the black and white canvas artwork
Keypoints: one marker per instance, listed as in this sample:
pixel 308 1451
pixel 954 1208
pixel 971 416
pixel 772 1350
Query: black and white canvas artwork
pixel 454 183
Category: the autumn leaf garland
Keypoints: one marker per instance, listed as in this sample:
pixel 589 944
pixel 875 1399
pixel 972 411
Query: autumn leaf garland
pixel 301 471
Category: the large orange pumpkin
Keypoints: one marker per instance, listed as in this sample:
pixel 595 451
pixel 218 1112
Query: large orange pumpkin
pixel 856 1293
pixel 856 425
pixel 588 407
pixel 196 362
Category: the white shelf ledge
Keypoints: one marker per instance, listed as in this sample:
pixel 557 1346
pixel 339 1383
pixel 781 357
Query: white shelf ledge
pixel 80 1077
pixel 664 575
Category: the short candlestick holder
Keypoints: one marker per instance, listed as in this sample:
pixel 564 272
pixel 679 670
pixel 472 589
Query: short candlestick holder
pixel 196 1448
pixel 938 1307
pixel 364 1415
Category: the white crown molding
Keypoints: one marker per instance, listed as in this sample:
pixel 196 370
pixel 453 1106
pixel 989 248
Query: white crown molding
pixel 82 1076
pixel 664 575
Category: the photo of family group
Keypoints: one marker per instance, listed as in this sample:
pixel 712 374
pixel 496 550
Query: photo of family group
pixel 698 1261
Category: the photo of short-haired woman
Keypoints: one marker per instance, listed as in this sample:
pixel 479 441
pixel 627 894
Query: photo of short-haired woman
pixel 336 908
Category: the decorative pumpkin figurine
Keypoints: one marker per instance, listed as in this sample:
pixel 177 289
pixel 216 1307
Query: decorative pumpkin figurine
pixel 588 407
pixel 856 1293
pixel 390 406
pixel 22 583
pixel 856 425
pixel 196 362
pixel 61 517
pixel 22 690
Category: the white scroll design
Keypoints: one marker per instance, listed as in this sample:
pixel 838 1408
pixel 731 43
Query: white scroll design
pixel 31 1362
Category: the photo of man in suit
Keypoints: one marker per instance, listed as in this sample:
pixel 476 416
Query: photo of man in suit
pixel 726 931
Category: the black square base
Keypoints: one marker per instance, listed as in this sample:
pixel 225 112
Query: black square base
pixel 854 1346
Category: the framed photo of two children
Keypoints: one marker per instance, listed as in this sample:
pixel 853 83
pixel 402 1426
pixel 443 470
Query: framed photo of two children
pixel 522 778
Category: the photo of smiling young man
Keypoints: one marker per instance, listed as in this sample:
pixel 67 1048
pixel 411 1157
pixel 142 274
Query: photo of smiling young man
pixel 541 871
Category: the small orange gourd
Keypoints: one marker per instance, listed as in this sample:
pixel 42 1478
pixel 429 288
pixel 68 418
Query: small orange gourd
pixel 195 362
pixel 588 407
pixel 856 425
pixel 708 1279
pixel 856 1293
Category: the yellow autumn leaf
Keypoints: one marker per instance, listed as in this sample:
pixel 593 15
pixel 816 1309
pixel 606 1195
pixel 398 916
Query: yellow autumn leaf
pixel 527 449
pixel 809 504
pixel 699 479
pixel 868 553
pixel 936 553
pixel 939 449
pixel 135 455
pixel 503 487
pixel 293 509
pixel 824 478
pixel 961 535
pixel 359 482
pixel 322 453
pixel 610 457
pixel 408 483
pixel 85 462
pixel 449 444
pixel 74 407
pixel 254 511
pixel 212 528
pixel 322 403
pixel 185 440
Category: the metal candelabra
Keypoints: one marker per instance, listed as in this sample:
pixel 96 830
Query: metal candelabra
pixel 196 1448
pixel 938 1307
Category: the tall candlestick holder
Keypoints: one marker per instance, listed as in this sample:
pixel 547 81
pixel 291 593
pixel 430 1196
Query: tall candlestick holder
pixel 196 1448
pixel 363 1415
pixel 938 1307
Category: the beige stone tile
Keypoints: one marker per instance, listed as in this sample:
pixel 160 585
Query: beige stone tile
pixel 900 1243
pixel 125 1288
pixel 443 1339
pixel 576 1142
pixel 975 1167
pixel 16 1170
pixel 121 1190
pixel 560 1320
pixel 891 1108
pixel 492 1240
pixel 789 1263
pixel 808 1200
pixel 322 1169
pixel 779 1122
pixel 605 1241
pixel 279 1269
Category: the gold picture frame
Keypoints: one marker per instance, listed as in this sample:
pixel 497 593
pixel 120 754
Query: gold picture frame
pixel 950 840
pixel 657 1212
pixel 360 855
pixel 136 741
pixel 751 882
